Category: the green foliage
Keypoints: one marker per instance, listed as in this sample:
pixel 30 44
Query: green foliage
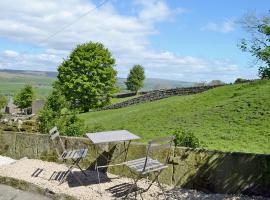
pixel 135 78
pixel 264 72
pixel 87 77
pixel 70 125
pixel 259 42
pixel 3 101
pixel 185 138
pixel 215 82
pixel 57 112
pixel 241 80
pixel 228 118
pixel 24 98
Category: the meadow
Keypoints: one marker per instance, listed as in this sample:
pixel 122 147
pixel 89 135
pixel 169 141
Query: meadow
pixel 228 118
pixel 12 81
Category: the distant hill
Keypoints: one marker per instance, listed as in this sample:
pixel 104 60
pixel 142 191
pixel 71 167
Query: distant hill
pixel 12 80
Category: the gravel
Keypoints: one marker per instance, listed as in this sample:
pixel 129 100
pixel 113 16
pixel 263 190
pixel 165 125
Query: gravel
pixel 111 186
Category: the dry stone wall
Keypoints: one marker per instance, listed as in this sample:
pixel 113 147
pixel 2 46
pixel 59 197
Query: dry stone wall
pixel 204 170
pixel 158 94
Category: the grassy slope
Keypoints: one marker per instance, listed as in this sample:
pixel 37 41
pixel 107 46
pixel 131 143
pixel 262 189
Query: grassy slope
pixel 230 118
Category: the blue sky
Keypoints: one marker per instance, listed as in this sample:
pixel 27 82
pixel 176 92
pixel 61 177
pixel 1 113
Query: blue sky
pixel 189 40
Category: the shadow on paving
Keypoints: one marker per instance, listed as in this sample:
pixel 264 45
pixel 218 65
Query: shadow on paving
pixel 122 190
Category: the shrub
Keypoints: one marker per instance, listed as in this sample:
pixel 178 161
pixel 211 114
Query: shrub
pixel 185 138
pixel 70 125
pixel 57 112
pixel 241 80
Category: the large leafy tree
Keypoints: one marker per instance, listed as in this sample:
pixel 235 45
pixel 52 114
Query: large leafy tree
pixel 87 77
pixel 135 78
pixel 258 44
pixel 23 99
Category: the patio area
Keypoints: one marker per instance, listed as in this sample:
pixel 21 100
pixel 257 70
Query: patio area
pixel 46 175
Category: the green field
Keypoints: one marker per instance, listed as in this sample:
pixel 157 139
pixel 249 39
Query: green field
pixel 13 80
pixel 228 118
pixel 10 83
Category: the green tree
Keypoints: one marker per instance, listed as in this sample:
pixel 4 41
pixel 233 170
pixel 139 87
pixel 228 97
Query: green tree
pixel 135 78
pixel 258 44
pixel 23 99
pixel 57 112
pixel 88 77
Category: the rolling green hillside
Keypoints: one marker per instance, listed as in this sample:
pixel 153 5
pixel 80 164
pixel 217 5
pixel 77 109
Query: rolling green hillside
pixel 230 118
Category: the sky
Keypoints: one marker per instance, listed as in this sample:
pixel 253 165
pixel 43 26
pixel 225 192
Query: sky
pixel 187 40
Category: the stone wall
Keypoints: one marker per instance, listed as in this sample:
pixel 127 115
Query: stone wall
pixel 208 171
pixel 158 94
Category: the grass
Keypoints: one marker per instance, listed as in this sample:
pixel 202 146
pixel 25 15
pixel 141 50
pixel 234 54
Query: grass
pixel 10 84
pixel 228 118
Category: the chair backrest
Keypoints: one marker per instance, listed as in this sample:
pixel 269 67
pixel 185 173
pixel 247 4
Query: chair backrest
pixel 160 144
pixel 54 134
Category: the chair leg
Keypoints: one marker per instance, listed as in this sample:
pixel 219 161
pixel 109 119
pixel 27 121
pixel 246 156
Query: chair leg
pixel 162 189
pixel 154 180
pixel 81 169
pixel 98 176
pixel 133 185
pixel 75 162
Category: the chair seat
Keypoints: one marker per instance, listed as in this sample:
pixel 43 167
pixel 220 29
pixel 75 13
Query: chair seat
pixel 151 165
pixel 73 154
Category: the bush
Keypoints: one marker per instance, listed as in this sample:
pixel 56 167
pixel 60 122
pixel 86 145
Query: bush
pixel 185 138
pixel 57 112
pixel 241 80
pixel 70 125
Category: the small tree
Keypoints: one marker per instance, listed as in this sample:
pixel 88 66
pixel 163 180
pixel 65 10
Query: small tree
pixel 258 44
pixel 135 78
pixel 185 138
pixel 3 103
pixel 87 77
pixel 23 99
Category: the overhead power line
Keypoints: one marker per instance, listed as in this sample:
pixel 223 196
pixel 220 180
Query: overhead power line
pixel 70 24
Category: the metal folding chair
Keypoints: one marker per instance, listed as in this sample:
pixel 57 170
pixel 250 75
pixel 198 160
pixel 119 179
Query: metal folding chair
pixel 147 165
pixel 74 156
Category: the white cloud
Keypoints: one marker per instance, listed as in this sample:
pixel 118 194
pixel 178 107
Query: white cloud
pixel 126 36
pixel 10 53
pixel 224 27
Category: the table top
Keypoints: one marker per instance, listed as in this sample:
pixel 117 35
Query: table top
pixel 111 136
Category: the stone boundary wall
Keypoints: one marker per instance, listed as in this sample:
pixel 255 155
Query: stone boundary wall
pixel 204 170
pixel 159 94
